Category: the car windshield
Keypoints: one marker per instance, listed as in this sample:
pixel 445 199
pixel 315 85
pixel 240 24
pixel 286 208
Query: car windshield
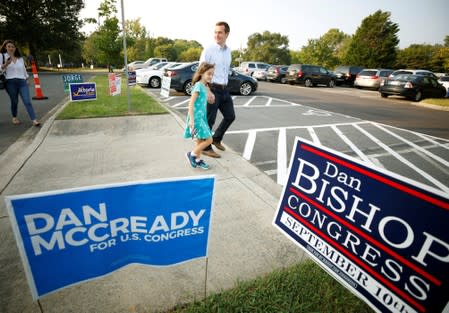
pixel 404 77
pixel 368 73
pixel 444 79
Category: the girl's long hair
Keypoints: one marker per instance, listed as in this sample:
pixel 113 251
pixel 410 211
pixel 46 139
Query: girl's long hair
pixel 203 68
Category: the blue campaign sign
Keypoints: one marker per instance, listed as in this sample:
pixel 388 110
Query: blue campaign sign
pixel 132 78
pixel 83 91
pixel 66 237
pixel 381 235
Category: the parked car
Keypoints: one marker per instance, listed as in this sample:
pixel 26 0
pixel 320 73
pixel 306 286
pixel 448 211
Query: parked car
pixel 371 78
pixel 181 80
pixel 152 76
pixel 152 61
pixel 247 68
pixel 276 73
pixel 346 74
pixel 260 74
pixel 134 65
pixel 413 72
pixel 444 80
pixel 309 75
pixel 415 87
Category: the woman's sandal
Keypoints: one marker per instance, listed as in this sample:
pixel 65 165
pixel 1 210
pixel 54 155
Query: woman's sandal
pixel 15 121
pixel 36 123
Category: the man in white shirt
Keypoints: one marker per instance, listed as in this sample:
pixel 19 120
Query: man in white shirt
pixel 219 54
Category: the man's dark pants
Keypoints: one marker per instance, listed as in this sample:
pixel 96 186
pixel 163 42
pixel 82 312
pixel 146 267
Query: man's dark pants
pixel 224 104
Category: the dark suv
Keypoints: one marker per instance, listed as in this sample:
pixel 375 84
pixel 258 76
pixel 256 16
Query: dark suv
pixel 346 74
pixel 309 75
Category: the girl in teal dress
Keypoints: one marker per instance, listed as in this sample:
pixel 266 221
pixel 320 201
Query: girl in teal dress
pixel 197 126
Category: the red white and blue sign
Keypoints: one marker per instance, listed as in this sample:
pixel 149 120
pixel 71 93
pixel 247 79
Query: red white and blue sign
pixel 70 236
pixel 381 235
pixel 83 91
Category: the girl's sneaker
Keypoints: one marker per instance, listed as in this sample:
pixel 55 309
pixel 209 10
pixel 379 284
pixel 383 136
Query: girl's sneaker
pixel 191 159
pixel 203 165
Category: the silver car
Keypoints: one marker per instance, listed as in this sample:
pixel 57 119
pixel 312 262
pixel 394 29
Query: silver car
pixel 371 78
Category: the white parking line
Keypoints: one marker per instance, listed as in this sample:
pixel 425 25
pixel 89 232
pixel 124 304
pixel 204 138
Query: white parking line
pixel 351 145
pixel 249 146
pixel 282 157
pixel 293 127
pixel 249 101
pixel 430 154
pixel 182 102
pixel 314 136
pixel 269 102
pixel 403 160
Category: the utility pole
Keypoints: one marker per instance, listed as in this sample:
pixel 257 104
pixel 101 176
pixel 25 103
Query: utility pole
pixel 125 56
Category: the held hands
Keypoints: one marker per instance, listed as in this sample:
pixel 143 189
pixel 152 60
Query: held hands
pixel 192 128
pixel 210 96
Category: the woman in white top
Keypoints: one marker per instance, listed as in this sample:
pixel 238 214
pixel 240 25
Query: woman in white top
pixel 13 65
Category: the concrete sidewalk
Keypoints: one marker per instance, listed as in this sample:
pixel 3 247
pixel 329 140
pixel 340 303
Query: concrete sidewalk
pixel 243 244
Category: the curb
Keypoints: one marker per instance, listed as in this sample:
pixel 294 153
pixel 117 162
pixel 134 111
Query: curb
pixel 20 151
pixel 431 106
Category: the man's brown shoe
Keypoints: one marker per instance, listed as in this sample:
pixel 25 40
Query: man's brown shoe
pixel 218 145
pixel 211 153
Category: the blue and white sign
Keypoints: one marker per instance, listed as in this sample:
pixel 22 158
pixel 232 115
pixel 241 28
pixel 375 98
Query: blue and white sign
pixel 66 237
pixel 83 91
pixel 381 235
pixel 165 87
pixel 132 76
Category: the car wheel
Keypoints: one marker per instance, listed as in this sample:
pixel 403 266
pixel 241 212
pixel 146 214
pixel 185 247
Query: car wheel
pixel 155 82
pixel 188 88
pixel 383 95
pixel 283 80
pixel 308 82
pixel 246 89
pixel 331 84
pixel 418 96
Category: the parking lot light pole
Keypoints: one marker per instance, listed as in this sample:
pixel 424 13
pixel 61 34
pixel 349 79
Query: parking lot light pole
pixel 125 56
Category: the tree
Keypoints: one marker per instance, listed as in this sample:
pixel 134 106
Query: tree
pixel 41 26
pixel 190 55
pixel 324 51
pixel 108 42
pixel 415 56
pixel 268 47
pixel 375 42
pixel 105 41
pixel 440 60
pixel 137 40
pixel 165 51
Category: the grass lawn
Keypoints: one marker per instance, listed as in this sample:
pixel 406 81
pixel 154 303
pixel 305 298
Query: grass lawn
pixel 107 105
pixel 442 102
pixel 303 288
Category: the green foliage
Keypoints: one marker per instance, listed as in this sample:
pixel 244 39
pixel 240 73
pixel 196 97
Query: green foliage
pixel 440 60
pixel 415 56
pixel 431 57
pixel 375 42
pixel 107 42
pixel 303 288
pixel 325 51
pixel 190 55
pixel 42 26
pixel 295 57
pixel 268 47
pixel 107 105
